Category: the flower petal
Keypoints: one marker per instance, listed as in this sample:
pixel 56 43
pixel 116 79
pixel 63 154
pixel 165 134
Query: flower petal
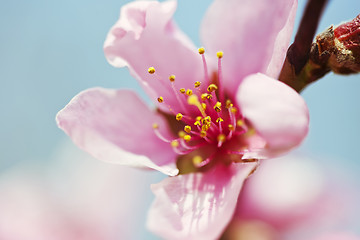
pixel 146 36
pixel 277 112
pixel 199 205
pixel 253 34
pixel 338 236
pixel 116 126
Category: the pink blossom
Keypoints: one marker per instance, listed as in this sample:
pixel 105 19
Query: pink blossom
pixel 74 197
pixel 218 112
pixel 293 198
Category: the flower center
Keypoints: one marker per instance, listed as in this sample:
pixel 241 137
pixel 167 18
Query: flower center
pixel 208 120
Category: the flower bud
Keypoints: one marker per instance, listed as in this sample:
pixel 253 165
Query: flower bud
pixel 340 47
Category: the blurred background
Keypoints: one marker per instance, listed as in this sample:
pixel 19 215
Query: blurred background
pixel 52 50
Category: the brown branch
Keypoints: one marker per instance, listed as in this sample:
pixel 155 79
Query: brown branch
pixel 298 52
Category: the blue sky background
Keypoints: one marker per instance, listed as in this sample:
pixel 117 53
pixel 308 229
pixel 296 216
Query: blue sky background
pixel 51 50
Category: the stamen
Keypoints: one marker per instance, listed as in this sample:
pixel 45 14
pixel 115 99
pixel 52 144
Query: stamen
pixel 174 143
pixel 172 81
pixel 203 134
pixel 231 130
pixel 217 107
pixel 179 116
pixel 204 106
pixel 188 147
pixel 220 55
pixel 193 100
pixel 179 152
pixel 197 160
pixel 197 84
pixel 221 139
pixel 172 78
pixel 158 134
pixel 187 129
pixel 232 117
pixel 201 50
pixel 160 99
pixel 206 75
pixel 205 96
pixel 181 134
pixel 187 137
pixel 228 103
pixel 219 120
pixel 205 127
pixel 182 90
pixel 250 132
pixel 151 70
pixel 202 163
pixel 189 92
pixel 212 87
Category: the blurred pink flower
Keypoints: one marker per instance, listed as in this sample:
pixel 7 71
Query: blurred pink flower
pixel 72 197
pixel 216 111
pixel 293 198
pixel 338 236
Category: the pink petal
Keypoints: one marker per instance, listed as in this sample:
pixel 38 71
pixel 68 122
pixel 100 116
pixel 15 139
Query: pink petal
pixel 277 112
pixel 197 206
pixel 116 126
pixel 145 36
pixel 253 34
pixel 286 192
pixel 338 236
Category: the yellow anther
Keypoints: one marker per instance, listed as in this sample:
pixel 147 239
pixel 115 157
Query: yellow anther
pixel 220 54
pixel 201 50
pixel 198 118
pixel 179 116
pixel 197 160
pixel 217 106
pixel 203 134
pixel 172 78
pixel 203 106
pixel 233 109
pixel 240 122
pixel 205 127
pixel 193 100
pixel 155 126
pixel 187 138
pixel 221 138
pixel 182 90
pixel 160 99
pixel 228 103
pixel 250 132
pixel 174 143
pixel 151 70
pixel 219 120
pixel 189 92
pixel 197 84
pixel 208 119
pixel 212 87
pixel 187 129
pixel 231 127
pixel 197 123
pixel 181 134
pixel 206 96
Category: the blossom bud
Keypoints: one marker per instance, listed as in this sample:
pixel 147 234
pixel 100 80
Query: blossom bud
pixel 340 47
